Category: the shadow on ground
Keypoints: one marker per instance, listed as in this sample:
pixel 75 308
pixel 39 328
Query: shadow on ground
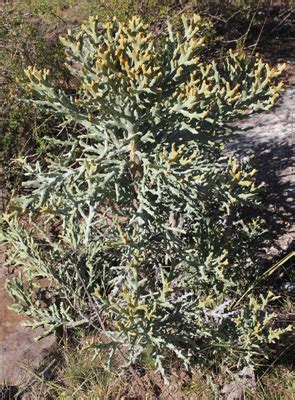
pixel 273 161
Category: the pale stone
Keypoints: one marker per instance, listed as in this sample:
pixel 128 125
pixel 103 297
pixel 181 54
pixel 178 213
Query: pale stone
pixel 18 348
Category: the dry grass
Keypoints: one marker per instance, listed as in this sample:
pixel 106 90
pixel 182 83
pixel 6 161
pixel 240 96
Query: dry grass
pixel 80 377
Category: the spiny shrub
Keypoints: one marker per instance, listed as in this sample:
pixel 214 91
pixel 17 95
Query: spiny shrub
pixel 150 248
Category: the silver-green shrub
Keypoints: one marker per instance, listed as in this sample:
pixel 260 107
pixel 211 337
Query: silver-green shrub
pixel 140 231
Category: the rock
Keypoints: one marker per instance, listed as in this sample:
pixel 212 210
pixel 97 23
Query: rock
pixel 269 138
pixel 243 381
pixel 18 347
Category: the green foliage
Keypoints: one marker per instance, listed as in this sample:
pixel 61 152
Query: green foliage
pixel 73 10
pixel 25 43
pixel 144 237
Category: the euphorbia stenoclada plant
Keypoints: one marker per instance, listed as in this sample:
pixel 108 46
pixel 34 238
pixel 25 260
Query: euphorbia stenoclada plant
pixel 152 224
pixel 140 96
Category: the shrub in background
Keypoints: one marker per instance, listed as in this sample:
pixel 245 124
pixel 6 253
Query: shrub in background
pixel 142 235
pixel 25 37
